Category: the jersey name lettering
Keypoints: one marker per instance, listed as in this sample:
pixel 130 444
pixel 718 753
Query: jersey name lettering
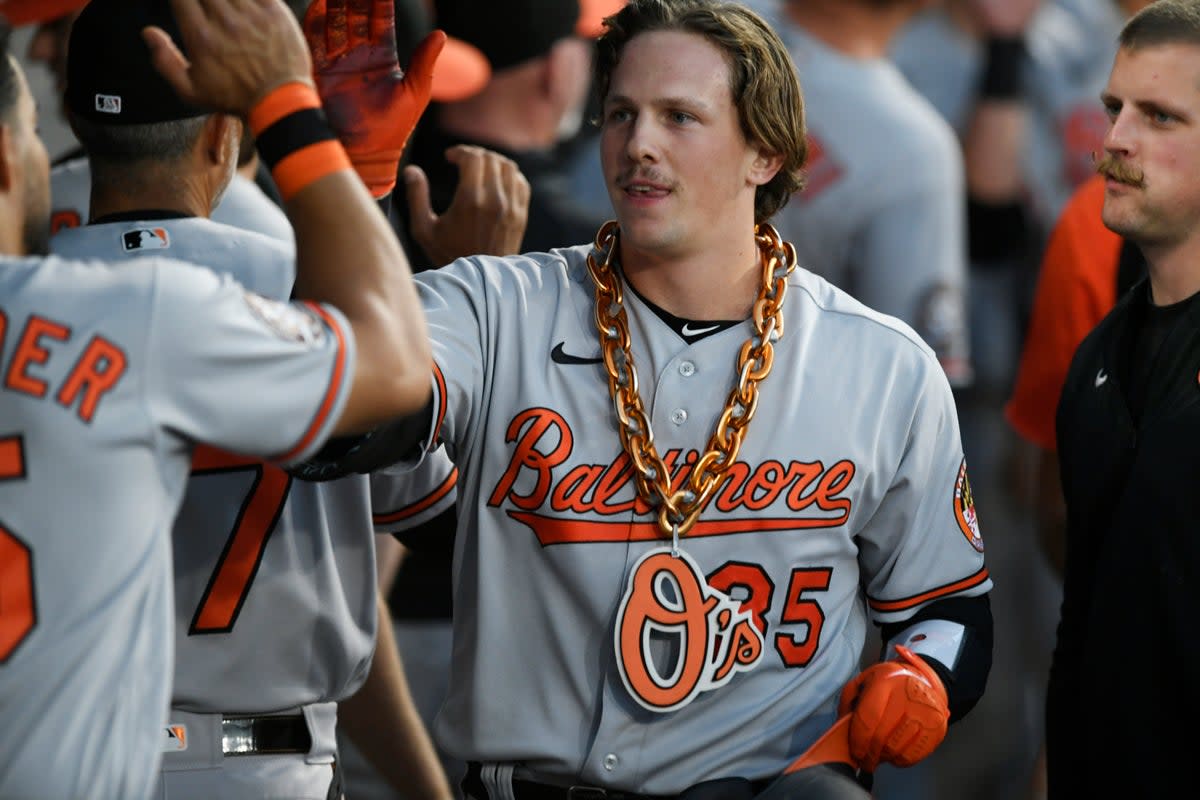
pixel 813 488
pixel 94 374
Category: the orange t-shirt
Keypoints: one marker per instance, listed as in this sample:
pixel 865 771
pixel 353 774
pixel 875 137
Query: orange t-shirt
pixel 1077 286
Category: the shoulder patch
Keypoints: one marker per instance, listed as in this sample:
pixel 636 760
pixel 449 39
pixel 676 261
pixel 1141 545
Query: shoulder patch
pixel 292 322
pixel 964 508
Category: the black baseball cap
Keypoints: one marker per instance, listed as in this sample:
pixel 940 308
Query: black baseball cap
pixel 110 79
pixel 509 32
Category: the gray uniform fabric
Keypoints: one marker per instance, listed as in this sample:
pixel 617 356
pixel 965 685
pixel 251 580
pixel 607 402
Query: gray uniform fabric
pixel 112 373
pixel 856 410
pixel 274 578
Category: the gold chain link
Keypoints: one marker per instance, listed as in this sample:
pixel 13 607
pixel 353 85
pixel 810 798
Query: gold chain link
pixel 679 509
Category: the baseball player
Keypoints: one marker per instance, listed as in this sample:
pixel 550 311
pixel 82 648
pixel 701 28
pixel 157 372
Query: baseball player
pixel 691 472
pixel 882 219
pixel 248 716
pixel 111 376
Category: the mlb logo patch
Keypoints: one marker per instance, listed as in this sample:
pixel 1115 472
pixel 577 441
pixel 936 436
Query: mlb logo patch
pixel 176 740
pixel 146 239
pixel 108 103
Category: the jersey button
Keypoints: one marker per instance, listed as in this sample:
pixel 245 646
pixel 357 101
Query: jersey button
pixel 687 369
pixel 610 761
pixel 679 416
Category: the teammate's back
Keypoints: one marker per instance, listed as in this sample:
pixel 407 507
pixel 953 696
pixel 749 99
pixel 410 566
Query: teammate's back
pixel 110 376
pixel 96 453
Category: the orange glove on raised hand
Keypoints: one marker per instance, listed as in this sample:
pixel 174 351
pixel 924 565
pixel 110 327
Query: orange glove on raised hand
pixel 371 103
pixel 899 711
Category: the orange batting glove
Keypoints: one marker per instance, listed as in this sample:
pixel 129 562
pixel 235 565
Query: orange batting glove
pixel 899 711
pixel 371 103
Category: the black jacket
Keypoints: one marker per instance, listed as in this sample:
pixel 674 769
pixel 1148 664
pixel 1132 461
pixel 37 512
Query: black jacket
pixel 1124 692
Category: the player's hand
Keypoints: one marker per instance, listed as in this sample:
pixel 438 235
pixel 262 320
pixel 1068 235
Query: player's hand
pixel 372 105
pixel 237 52
pixel 899 712
pixel 487 215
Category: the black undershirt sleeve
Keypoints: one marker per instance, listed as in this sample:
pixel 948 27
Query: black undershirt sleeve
pixel 965 680
pixel 387 444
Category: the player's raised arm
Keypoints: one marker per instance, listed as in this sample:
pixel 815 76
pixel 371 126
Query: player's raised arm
pixel 250 58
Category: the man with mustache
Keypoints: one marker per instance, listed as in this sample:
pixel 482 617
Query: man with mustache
pixel 1126 428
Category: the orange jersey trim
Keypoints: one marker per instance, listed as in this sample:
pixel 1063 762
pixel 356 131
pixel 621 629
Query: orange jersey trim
pixel 906 603
pixel 573 530
pixel 411 510
pixel 440 380
pixel 1076 287
pixel 335 381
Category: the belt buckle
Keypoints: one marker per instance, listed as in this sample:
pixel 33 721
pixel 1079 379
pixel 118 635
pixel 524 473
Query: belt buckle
pixel 586 793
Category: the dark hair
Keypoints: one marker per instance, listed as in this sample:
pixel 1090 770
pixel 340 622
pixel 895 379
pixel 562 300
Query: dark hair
pixel 126 144
pixel 9 83
pixel 118 154
pixel 762 78
pixel 1163 22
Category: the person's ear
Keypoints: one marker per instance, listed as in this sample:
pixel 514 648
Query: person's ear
pixel 765 167
pixel 219 131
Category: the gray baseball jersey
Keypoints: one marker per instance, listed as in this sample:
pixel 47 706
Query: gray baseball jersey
pixel 109 376
pixel 882 215
pixel 249 542
pixel 619 663
pixel 243 205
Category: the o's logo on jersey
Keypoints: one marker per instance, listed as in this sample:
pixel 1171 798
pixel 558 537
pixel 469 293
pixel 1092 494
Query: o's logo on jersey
pixel 964 508
pixel 709 637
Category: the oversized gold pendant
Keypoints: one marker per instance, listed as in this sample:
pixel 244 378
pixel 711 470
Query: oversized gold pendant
pixel 676 636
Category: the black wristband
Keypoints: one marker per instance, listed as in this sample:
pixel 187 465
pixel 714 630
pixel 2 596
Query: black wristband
pixel 291 133
pixel 1002 68
pixel 997 233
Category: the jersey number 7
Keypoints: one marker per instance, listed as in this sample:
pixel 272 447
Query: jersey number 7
pixel 18 613
pixel 235 570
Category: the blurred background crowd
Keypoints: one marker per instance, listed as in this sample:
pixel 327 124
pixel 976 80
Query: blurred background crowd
pixel 947 138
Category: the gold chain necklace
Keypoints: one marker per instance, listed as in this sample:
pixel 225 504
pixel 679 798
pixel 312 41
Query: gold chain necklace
pixel 679 510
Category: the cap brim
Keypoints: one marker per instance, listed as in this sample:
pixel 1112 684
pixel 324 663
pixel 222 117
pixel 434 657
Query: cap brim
pixel 462 70
pixel 592 14
pixel 27 12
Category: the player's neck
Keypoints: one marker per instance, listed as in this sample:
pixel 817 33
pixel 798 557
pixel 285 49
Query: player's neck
pixel 1174 271
pixel 107 203
pixel 699 287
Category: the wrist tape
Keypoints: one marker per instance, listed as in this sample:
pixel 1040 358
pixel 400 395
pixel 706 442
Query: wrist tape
pixel 294 138
pixel 1002 68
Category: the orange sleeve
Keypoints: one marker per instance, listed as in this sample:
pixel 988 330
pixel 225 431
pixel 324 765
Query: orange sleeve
pixel 1076 287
